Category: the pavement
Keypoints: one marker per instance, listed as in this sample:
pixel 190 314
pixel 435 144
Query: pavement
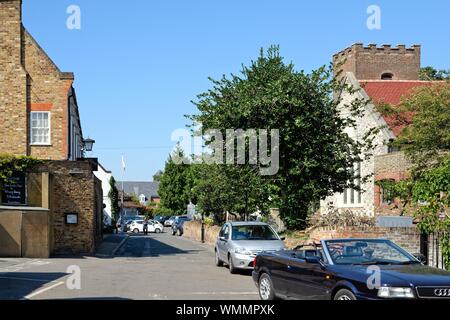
pixel 153 267
pixel 110 245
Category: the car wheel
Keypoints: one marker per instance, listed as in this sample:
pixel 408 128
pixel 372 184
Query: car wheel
pixel 344 294
pixel 231 265
pixel 136 230
pixel 158 230
pixel 219 263
pixel 265 288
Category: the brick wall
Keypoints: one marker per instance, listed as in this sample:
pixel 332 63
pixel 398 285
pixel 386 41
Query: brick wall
pixel 48 90
pixel 392 166
pixel 192 230
pixel 75 189
pixel 13 81
pixel 29 81
pixel 407 238
pixel 369 63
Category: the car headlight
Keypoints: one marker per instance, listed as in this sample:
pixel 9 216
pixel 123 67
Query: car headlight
pixel 243 251
pixel 392 292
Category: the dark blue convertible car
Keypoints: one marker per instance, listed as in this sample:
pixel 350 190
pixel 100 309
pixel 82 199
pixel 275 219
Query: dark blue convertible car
pixel 348 269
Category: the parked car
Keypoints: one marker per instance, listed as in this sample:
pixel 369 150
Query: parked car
pixel 178 224
pixel 137 226
pixel 156 224
pixel 238 244
pixel 161 219
pixel 124 221
pixel 348 269
pixel 170 221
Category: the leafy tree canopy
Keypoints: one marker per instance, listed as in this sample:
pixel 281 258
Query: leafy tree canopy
pixel 315 151
pixel 113 196
pixel 173 188
pixel 430 74
pixel 427 139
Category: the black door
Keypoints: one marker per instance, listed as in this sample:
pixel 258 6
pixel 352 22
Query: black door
pixel 279 274
pixel 308 281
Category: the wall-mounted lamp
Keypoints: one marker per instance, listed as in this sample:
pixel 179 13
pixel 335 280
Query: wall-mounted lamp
pixel 88 144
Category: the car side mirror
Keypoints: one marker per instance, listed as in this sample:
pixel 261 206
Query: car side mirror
pixel 283 238
pixel 313 260
pixel 420 257
pixel 223 239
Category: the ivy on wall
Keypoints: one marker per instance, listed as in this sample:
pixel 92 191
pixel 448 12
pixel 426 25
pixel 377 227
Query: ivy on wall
pixel 9 164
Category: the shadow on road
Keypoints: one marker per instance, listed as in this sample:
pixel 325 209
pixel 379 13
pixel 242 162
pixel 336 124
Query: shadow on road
pixel 17 285
pixel 146 246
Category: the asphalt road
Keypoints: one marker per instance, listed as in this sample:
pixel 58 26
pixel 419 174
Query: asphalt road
pixel 155 267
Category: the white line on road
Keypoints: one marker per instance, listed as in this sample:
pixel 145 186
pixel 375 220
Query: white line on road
pixel 42 290
pixel 224 293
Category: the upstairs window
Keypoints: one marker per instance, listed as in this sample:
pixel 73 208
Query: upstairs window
pixel 387 76
pixel 40 128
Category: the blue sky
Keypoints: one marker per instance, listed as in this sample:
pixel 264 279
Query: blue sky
pixel 139 63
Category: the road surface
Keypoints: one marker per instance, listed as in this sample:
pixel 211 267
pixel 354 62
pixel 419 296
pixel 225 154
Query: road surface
pixel 155 267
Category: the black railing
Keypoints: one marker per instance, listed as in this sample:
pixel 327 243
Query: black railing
pixel 431 248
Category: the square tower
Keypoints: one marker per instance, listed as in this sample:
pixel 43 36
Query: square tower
pixel 380 63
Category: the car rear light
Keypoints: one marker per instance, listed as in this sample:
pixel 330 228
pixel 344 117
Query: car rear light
pixel 254 263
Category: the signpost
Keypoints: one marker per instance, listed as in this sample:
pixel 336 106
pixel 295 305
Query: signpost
pixel 14 192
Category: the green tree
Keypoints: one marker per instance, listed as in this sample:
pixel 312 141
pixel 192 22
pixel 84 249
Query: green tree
pixel 431 74
pixel 315 151
pixel 173 188
pixel 427 139
pixel 157 176
pixel 226 188
pixel 113 196
pixel 426 142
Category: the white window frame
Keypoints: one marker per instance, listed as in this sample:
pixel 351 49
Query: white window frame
pixel 49 143
pixel 350 193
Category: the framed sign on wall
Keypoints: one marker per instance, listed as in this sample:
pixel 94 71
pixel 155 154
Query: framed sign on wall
pixel 14 192
pixel 72 218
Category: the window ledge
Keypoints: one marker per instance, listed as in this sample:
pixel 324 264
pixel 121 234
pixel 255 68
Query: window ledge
pixel 40 145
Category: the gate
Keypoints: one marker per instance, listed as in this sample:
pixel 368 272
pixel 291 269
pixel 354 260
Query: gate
pixel 430 247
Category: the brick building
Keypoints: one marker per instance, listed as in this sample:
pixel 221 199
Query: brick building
pixel 38 105
pixel 39 117
pixel 381 75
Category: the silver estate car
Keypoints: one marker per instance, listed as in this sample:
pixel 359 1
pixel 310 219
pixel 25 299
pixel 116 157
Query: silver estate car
pixel 239 243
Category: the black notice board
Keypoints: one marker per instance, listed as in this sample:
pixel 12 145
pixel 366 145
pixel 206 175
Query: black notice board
pixel 15 190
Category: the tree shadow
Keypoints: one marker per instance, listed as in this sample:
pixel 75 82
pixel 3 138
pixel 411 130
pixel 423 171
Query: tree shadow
pixel 143 246
pixel 17 285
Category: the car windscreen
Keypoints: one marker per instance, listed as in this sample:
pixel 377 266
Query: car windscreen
pixel 367 252
pixel 253 232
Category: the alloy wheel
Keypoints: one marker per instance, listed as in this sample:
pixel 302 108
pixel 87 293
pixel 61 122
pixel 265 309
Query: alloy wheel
pixel 264 289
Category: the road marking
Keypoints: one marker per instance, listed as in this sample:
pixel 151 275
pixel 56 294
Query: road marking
pixel 34 294
pixel 22 266
pixel 224 293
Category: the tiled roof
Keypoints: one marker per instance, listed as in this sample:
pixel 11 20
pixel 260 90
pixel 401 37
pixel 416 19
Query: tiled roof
pixel 149 189
pixel 391 92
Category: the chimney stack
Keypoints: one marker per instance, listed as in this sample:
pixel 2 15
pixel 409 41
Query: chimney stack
pixel 10 32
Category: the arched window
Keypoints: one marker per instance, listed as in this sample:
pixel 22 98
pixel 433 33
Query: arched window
pixel 387 76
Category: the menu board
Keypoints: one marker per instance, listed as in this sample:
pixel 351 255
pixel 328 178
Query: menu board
pixel 14 191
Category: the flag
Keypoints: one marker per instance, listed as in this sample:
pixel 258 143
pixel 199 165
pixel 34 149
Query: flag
pixel 123 164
